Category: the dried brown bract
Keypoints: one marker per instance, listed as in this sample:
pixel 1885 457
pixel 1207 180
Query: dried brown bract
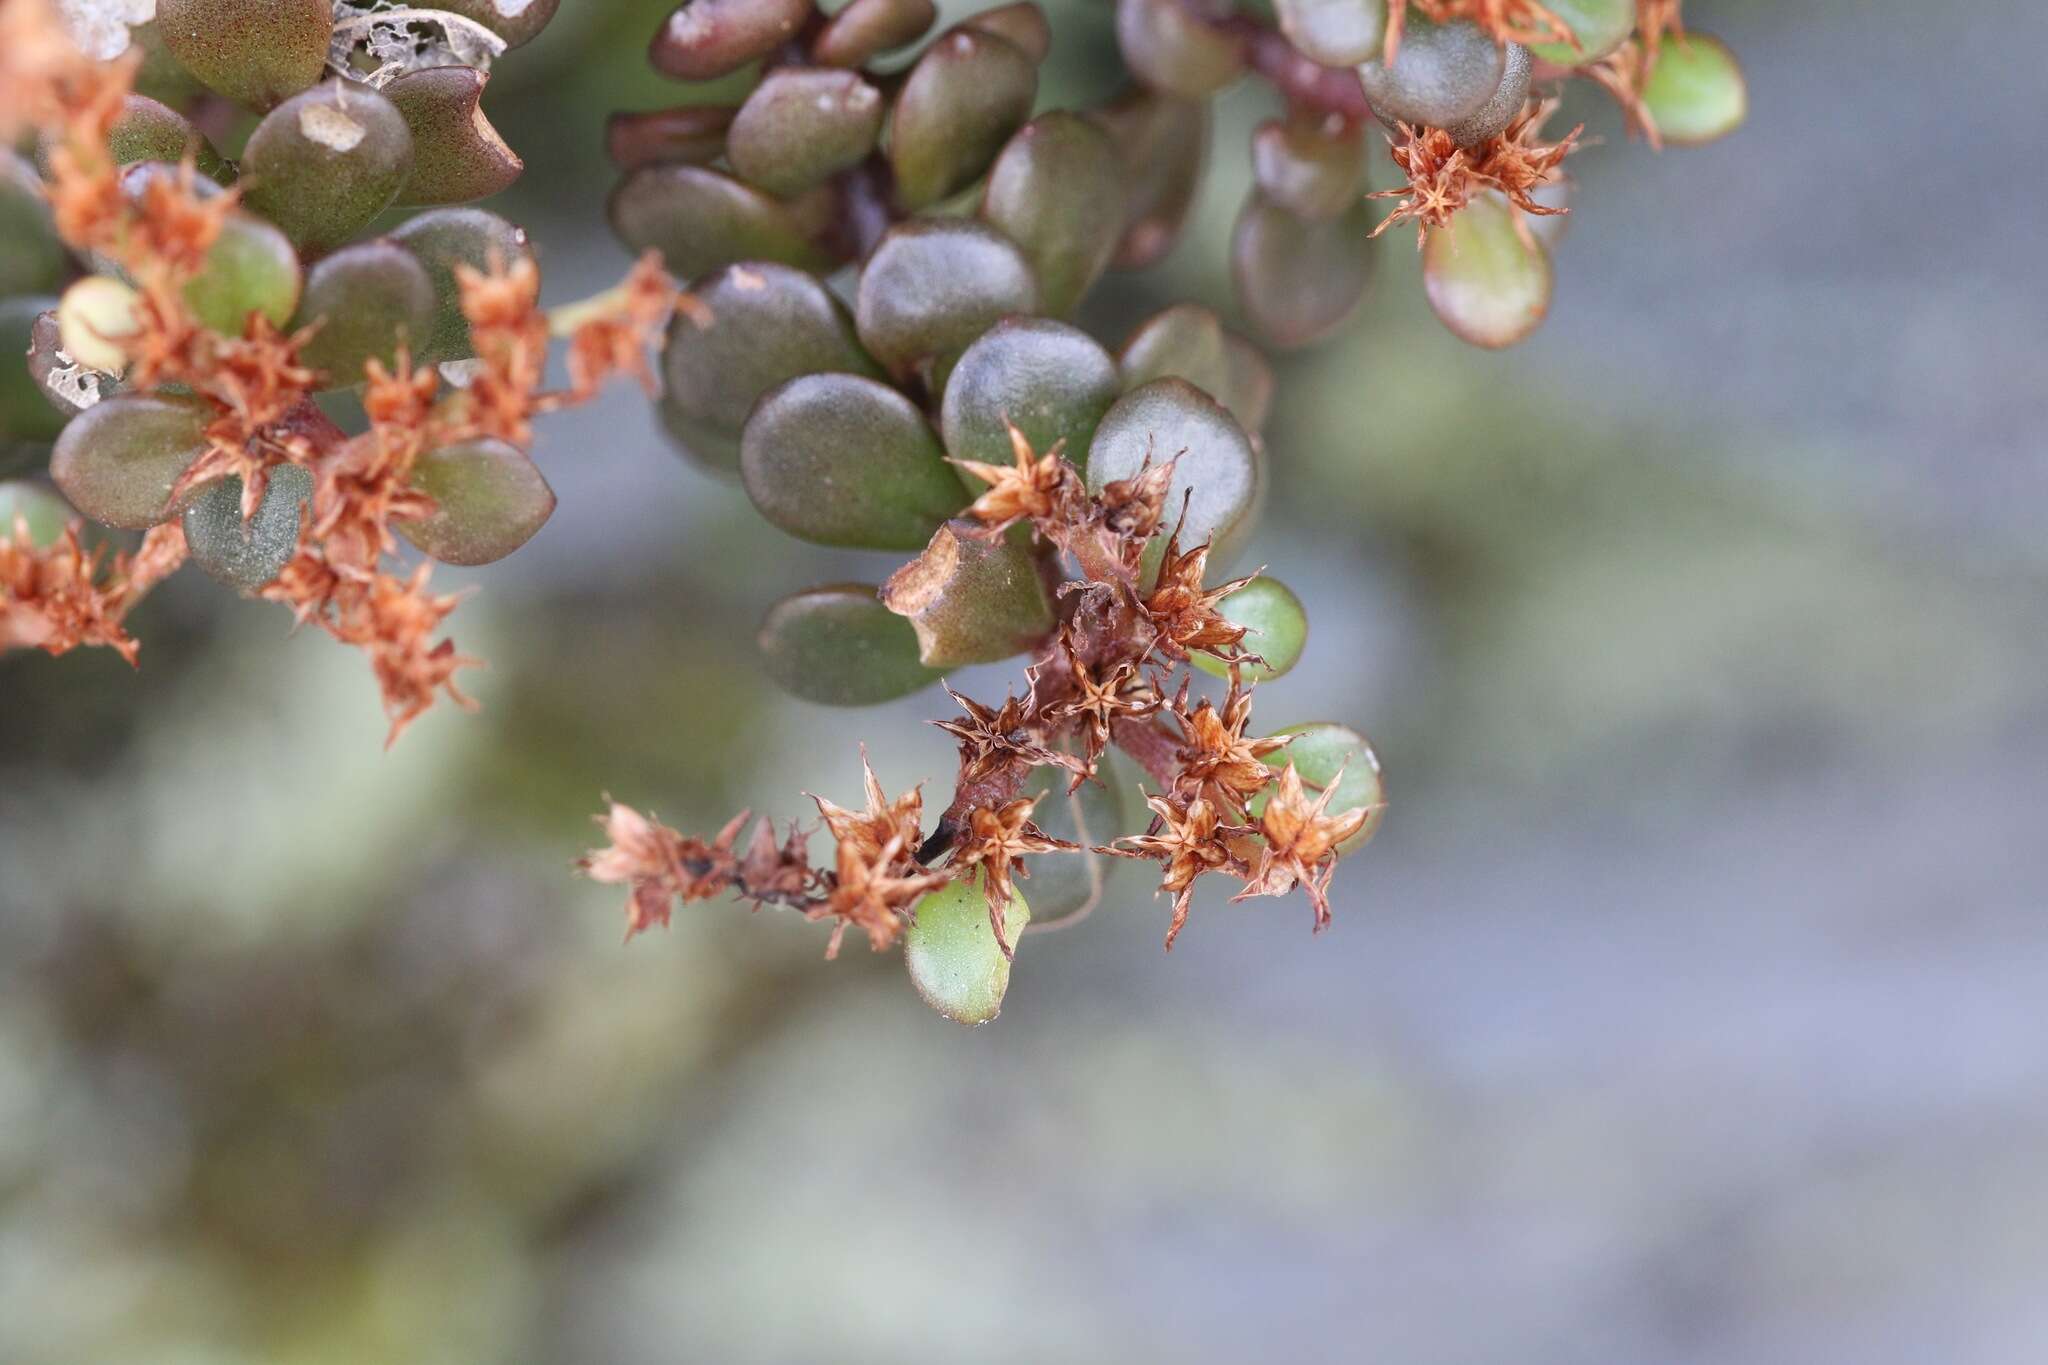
pixel 1218 762
pixel 1036 488
pixel 1183 612
pixel 1443 177
pixel 995 840
pixel 1300 846
pixel 1191 840
pixel 55 598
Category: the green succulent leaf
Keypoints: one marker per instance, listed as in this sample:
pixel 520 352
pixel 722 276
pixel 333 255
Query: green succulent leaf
pixel 1443 73
pixel 442 239
pixel 1172 51
pixel 803 125
pixel 843 460
pixel 700 219
pixel 251 268
pixel 32 259
pixel 1310 169
pixel 768 324
pixel 1249 387
pixel 1334 32
pixel 866 29
pixel 368 300
pixel 118 460
pixel 247 554
pixel 324 163
pixel 490 499
pixel 966 95
pixel 1696 93
pixel 932 286
pixel 457 156
pixel 1600 26
pixel 838 645
pixel 971 600
pixel 1299 280
pixel 712 450
pixel 952 954
pixel 1276 629
pixel 24 503
pixel 1053 381
pixel 1057 191
pixel 1322 753
pixel 256 52
pixel 150 131
pixel 705 39
pixel 1217 468
pixel 1184 340
pixel 1487 284
pixel 1163 142
pixel 25 412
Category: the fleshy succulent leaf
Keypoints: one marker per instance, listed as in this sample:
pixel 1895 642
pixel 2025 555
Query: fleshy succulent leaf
pixel 838 645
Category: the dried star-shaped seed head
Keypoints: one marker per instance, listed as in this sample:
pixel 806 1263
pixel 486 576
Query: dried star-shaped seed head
pixel 1183 612
pixel 1191 840
pixel 643 855
pixel 992 739
pixel 1218 763
pixel 994 840
pixel 1443 177
pixel 1036 488
pixel 1098 702
pixel 883 822
pixel 871 892
pixel 1301 844
pixel 1133 508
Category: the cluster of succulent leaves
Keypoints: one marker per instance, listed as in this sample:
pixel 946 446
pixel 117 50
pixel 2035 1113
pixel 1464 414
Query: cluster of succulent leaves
pixel 337 112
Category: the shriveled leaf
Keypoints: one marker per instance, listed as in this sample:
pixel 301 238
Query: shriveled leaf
pixel 1172 51
pixel 1276 630
pixel 705 39
pixel 1057 191
pixel 1443 73
pixel 117 461
pixel 842 460
pixel 700 219
pixel 1053 381
pixel 1296 279
pixel 324 163
pixel 839 646
pixel 966 95
pixel 457 156
pixel 1320 751
pixel 932 286
pixel 256 52
pixel 1216 467
pixel 768 324
pixel 970 599
pixel 368 299
pixel 1697 92
pixel 803 125
pixel 1487 284
pixel 489 500
pixel 246 555
pixel 443 239
pixel 954 960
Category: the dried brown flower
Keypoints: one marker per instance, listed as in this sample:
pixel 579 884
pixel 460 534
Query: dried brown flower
pixel 994 840
pixel 1191 840
pixel 876 894
pixel 611 334
pixel 1300 844
pixel 1035 488
pixel 884 821
pixel 1443 177
pixel 1217 762
pixel 54 598
pixel 1183 612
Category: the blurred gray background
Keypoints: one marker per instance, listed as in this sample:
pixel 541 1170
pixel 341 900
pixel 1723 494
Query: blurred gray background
pixel 1688 1008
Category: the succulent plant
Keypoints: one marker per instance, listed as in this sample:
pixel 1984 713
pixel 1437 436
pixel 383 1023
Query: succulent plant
pixel 885 241
pixel 180 311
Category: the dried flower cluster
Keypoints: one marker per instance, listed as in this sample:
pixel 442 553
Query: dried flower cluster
pixel 1509 21
pixel 1111 672
pixel 1443 177
pixel 261 391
